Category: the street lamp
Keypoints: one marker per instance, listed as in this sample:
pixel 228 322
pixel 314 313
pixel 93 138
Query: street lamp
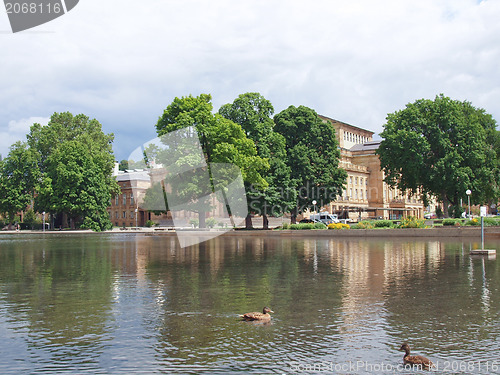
pixel 468 192
pixel 136 218
pixel 43 214
pixel 314 203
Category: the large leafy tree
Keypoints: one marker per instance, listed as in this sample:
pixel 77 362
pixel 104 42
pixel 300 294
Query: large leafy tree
pixel 221 141
pixel 19 176
pixel 76 161
pixel 312 155
pixel 254 113
pixel 441 148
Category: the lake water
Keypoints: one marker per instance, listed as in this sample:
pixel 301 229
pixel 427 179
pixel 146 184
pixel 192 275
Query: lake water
pixel 133 303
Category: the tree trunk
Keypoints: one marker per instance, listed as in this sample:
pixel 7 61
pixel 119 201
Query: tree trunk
pixel 248 222
pixel 202 219
pixel 265 221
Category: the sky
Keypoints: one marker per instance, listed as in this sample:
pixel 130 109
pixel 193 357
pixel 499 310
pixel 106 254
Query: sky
pixel 122 62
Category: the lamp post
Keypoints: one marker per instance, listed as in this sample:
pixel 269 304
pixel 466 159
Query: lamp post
pixel 468 192
pixel 314 203
pixel 43 215
pixel 136 218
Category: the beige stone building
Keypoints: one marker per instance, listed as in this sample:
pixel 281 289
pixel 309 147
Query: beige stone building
pixel 366 195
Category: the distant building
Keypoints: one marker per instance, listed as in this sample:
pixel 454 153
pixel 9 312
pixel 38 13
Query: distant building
pixel 366 195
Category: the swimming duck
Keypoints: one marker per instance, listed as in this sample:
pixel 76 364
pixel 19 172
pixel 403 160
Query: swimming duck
pixel 264 315
pixel 417 360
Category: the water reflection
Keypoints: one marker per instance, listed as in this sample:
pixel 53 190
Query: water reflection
pixel 123 303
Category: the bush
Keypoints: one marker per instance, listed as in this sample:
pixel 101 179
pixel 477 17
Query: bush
pixel 383 224
pixel 285 226
pixel 210 222
pixel 473 222
pixel 452 222
pixel 194 222
pixel 302 226
pixel 150 223
pixel 338 226
pixel 412 222
pixel 366 224
pixel 491 222
pixel 319 226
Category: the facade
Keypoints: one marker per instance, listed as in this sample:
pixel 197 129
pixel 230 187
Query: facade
pixel 366 195
pixel 124 210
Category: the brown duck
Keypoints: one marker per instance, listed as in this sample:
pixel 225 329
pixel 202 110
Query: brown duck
pixel 264 315
pixel 416 360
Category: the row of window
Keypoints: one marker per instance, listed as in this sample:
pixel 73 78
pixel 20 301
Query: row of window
pixel 356 138
pixel 358 194
pixel 123 198
pixel 358 180
pixel 122 215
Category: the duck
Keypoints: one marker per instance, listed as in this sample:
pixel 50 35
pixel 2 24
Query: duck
pixel 263 316
pixel 416 360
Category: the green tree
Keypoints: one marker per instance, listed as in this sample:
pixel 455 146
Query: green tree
pixel 222 141
pixel 440 148
pixel 77 186
pixel 19 177
pixel 312 155
pixel 254 113
pixel 76 162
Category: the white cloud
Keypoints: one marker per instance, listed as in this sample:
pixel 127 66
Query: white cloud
pixel 16 130
pixel 123 62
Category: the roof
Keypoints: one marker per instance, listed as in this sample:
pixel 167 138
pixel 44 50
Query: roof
pixel 333 121
pixel 133 175
pixel 368 146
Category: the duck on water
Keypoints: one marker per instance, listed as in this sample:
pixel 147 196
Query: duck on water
pixel 262 316
pixel 415 360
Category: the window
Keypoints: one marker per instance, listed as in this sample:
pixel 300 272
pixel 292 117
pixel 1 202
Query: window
pixel 116 215
pixel 350 192
pixel 356 194
pixel 356 180
pixel 124 214
pixel 131 214
pixel 117 200
pixel 124 199
pixel 350 180
pixel 131 199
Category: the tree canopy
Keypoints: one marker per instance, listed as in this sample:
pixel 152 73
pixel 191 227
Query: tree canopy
pixel 312 156
pixel 19 175
pixel 221 141
pixel 76 161
pixel 441 148
pixel 253 113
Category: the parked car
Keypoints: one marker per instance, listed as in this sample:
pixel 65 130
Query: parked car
pixel 430 216
pixel 325 218
pixel 306 221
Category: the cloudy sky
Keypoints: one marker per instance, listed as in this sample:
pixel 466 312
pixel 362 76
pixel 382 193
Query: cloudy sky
pixel 122 61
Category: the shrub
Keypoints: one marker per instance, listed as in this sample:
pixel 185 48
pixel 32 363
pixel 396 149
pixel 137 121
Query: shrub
pixel 490 222
pixel 301 226
pixel 338 226
pixel 454 222
pixel 319 226
pixel 383 224
pixel 194 222
pixel 366 224
pixel 473 222
pixel 412 222
pixel 149 223
pixel 210 222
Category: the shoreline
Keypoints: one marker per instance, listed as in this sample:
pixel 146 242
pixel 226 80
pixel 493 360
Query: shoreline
pixel 333 233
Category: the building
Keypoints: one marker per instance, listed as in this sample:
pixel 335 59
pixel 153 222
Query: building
pixel 366 195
